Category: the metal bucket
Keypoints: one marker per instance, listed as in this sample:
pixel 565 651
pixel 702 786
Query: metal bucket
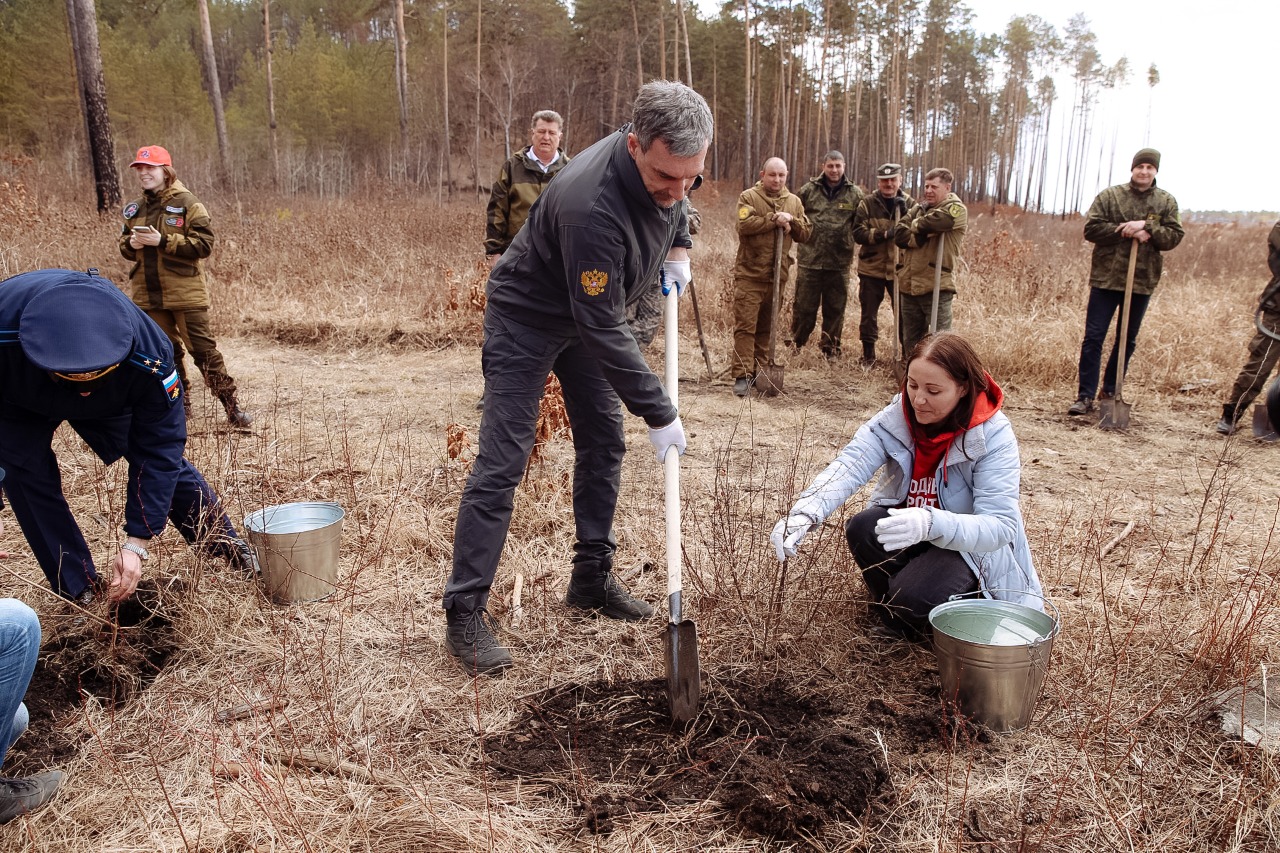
pixel 297 546
pixel 992 658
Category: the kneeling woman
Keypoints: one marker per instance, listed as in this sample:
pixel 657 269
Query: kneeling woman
pixel 944 517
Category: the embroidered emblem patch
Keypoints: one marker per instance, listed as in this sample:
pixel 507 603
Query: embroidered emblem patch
pixel 171 386
pixel 744 212
pixel 594 281
pixel 131 210
pixel 173 221
pixel 168 209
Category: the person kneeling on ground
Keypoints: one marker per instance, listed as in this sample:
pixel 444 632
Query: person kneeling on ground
pixel 19 645
pixel 944 518
pixel 74 348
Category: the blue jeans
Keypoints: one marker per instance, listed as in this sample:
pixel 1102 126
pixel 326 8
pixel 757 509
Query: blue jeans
pixel 1103 305
pixel 19 644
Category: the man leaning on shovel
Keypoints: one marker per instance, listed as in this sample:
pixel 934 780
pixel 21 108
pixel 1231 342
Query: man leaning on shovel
pixel 607 227
pixel 930 236
pixel 1137 216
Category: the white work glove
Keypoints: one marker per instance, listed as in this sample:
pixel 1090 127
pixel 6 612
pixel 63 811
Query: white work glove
pixel 787 534
pixel 675 274
pixel 904 527
pixel 664 438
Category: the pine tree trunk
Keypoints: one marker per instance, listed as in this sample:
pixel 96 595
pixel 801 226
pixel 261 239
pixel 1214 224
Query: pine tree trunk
pixel 215 93
pixel 82 21
pixel 271 94
pixel 402 85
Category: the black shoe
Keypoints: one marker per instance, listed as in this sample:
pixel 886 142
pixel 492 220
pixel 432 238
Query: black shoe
pixel 606 595
pixel 741 386
pixel 469 638
pixel 868 355
pixel 19 796
pixel 240 555
pixel 1230 419
pixel 1083 406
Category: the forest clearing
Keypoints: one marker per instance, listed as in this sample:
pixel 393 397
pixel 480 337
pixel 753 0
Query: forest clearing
pixel 354 327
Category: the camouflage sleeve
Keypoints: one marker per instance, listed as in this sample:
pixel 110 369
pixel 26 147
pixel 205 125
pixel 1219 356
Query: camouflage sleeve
pixel 939 220
pixel 1166 228
pixel 863 233
pixel 1100 224
pixel 801 227
pixel 750 219
pixel 196 240
pixel 498 214
pixel 1273 250
pixel 695 218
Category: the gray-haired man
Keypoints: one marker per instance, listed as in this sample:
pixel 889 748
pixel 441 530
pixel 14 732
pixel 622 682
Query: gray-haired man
pixel 606 228
pixel 521 181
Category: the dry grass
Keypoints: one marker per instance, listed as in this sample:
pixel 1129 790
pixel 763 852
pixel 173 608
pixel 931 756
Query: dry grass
pixel 352 329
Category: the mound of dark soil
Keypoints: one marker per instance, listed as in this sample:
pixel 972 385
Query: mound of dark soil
pixel 84 657
pixel 781 764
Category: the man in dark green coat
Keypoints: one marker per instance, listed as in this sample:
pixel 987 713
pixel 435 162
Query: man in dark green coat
pixel 822 280
pixel 521 181
pixel 1137 211
pixel 873 225
pixel 1264 349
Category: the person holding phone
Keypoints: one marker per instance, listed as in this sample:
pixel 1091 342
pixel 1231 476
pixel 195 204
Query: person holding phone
pixel 167 233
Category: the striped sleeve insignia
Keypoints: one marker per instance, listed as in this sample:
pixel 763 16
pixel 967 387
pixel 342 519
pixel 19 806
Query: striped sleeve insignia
pixel 8 336
pixel 594 281
pixel 148 363
pixel 172 387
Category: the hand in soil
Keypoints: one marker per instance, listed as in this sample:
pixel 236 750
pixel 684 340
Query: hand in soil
pixel 126 571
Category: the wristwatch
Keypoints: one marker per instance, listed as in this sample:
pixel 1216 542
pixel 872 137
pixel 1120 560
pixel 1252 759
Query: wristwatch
pixel 137 549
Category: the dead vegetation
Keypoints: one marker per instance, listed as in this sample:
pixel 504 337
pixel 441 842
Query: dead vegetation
pixel 357 349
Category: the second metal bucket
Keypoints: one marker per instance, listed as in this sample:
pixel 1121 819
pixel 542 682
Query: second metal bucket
pixel 992 658
pixel 297 546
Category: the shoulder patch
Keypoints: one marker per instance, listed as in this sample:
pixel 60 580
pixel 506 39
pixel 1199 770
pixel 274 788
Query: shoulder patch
pixel 130 210
pixel 744 212
pixel 148 363
pixel 594 281
pixel 172 387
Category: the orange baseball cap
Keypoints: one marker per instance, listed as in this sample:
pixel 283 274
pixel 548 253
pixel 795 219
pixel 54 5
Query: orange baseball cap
pixel 152 155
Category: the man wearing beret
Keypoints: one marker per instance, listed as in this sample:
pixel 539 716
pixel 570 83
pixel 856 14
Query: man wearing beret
pixel 74 348
pixel 1137 211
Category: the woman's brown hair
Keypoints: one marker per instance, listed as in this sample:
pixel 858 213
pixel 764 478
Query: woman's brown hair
pixel 955 355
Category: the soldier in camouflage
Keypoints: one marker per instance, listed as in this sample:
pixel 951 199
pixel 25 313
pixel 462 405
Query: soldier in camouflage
pixel 645 315
pixel 1141 211
pixel 940 217
pixel 1264 349
pixel 521 181
pixel 822 278
pixel 873 225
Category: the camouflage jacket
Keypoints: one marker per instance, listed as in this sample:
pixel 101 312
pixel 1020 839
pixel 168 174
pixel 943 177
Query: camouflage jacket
pixel 756 210
pixel 873 230
pixel 518 186
pixel 1270 299
pixel 830 247
pixel 1123 203
pixel 169 276
pixel 919 233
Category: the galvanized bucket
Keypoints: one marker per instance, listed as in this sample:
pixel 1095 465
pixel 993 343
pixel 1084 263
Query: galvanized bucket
pixel 992 658
pixel 297 546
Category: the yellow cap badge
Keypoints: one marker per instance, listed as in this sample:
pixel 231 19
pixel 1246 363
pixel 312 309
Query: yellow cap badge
pixel 594 281
pixel 744 212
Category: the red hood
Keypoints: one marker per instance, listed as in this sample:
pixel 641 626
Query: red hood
pixel 988 403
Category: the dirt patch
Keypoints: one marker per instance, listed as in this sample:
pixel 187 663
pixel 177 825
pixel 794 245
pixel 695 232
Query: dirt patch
pixel 782 765
pixel 82 658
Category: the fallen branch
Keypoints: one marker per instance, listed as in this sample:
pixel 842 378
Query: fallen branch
pixel 239 712
pixel 1106 549
pixel 320 761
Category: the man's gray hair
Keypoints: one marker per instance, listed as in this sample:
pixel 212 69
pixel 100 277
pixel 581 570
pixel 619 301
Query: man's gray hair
pixel 833 155
pixel 546 115
pixel 674 113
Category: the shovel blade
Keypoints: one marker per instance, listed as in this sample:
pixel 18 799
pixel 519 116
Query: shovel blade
pixel 684 678
pixel 1262 426
pixel 1115 414
pixel 769 381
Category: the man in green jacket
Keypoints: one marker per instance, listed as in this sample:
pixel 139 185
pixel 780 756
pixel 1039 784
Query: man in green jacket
pixel 1120 215
pixel 1264 349
pixel 764 210
pixel 873 225
pixel 521 181
pixel 822 280
pixel 940 219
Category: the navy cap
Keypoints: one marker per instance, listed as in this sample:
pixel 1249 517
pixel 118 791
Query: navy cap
pixel 76 326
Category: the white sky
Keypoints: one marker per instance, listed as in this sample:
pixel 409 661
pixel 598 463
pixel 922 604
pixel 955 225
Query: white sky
pixel 1215 115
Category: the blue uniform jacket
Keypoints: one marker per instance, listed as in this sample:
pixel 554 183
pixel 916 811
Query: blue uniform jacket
pixel 130 413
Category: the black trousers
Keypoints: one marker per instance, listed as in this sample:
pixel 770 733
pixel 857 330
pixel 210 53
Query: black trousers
pixel 905 585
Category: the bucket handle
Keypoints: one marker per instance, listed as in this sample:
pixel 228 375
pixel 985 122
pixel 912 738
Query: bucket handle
pixel 1056 615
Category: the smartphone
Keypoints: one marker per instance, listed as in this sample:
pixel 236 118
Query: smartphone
pixel 143 229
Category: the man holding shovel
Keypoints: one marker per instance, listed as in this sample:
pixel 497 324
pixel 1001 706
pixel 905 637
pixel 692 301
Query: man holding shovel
pixel 1264 349
pixel 873 226
pixel 770 219
pixel 610 224
pixel 1137 216
pixel 930 235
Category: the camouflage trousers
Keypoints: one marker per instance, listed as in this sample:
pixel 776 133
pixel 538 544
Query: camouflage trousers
pixel 644 316
pixel 1264 352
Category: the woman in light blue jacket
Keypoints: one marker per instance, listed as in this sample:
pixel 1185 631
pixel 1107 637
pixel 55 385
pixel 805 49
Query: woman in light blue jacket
pixel 944 518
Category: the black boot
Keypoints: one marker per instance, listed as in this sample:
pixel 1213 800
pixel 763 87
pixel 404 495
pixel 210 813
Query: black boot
pixel 603 593
pixel 1230 418
pixel 19 796
pixel 469 636
pixel 868 353
pixel 236 416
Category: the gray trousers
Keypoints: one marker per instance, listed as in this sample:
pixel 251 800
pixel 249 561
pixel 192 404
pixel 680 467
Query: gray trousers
pixel 517 360
pixel 916 311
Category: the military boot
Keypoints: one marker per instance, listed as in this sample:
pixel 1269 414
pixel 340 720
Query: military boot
pixel 868 353
pixel 469 631
pixel 1230 419
pixel 236 416
pixel 19 796
pixel 602 592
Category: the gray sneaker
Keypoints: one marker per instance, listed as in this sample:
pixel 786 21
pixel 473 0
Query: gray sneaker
pixel 605 594
pixel 19 796
pixel 740 386
pixel 469 638
pixel 1083 406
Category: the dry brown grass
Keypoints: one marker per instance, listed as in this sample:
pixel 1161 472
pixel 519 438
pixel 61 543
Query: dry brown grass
pixel 351 328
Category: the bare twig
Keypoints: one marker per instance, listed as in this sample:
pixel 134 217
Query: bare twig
pixel 320 761
pixel 239 712
pixel 1106 549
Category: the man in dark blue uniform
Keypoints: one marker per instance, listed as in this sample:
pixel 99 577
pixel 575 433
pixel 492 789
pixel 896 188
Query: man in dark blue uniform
pixel 607 227
pixel 74 348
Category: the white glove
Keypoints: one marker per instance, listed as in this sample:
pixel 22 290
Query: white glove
pixel 787 534
pixel 904 527
pixel 675 274
pixel 663 438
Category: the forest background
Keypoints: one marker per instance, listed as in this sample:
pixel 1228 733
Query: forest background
pixel 335 98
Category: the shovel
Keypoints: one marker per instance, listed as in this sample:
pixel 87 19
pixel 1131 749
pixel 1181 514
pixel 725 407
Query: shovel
pixel 702 341
pixel 937 286
pixel 1115 412
pixel 898 355
pixel 680 641
pixel 771 385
